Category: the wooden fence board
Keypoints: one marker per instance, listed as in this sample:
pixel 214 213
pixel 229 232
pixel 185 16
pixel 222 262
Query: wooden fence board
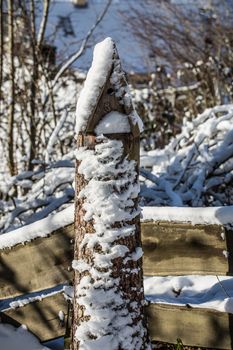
pixel 40 317
pixel 37 265
pixel 194 326
pixel 181 249
pixel 169 249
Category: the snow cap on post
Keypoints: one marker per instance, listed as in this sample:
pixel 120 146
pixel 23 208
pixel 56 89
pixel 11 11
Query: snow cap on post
pixel 105 105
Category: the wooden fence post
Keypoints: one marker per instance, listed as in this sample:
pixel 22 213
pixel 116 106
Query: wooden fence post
pixel 108 310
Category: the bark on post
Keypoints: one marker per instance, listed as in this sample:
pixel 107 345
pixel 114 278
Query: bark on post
pixel 108 284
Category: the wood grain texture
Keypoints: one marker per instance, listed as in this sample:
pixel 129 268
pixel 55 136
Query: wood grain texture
pixel 196 327
pixel 180 249
pixel 37 265
pixel 108 102
pixel 169 249
pixel 40 317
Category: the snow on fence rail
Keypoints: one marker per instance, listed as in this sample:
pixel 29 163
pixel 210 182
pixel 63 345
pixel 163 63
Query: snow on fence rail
pixel 170 248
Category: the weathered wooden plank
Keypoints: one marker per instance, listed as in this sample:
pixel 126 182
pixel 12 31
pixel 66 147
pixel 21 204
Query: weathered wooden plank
pixel 196 327
pixel 180 249
pixel 169 249
pixel 40 317
pixel 37 265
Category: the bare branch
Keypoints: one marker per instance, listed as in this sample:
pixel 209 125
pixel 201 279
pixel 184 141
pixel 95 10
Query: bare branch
pixel 43 23
pixel 78 53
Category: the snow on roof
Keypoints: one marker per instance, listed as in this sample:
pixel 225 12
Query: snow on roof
pixel 113 122
pixel 68 25
pixel 106 64
pixel 12 338
pixel 95 80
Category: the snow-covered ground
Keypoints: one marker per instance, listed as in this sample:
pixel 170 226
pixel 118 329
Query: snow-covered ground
pixel 12 338
pixel 210 292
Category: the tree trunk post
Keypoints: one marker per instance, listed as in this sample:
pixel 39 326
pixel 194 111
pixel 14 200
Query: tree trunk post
pixel 108 305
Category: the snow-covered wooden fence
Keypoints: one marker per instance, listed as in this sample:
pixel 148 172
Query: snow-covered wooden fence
pixel 169 249
pixel 36 260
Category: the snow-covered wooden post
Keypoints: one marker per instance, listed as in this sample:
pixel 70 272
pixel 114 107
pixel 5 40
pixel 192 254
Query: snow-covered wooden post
pixel 108 283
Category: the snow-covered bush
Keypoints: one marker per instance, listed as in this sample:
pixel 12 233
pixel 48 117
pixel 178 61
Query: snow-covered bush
pixel 196 167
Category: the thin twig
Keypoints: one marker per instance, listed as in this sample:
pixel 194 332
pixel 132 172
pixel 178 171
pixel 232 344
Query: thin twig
pixel 223 288
pixel 78 53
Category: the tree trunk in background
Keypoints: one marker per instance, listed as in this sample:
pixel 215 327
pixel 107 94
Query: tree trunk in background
pixel 11 150
pixel 1 48
pixel 34 81
pixel 43 23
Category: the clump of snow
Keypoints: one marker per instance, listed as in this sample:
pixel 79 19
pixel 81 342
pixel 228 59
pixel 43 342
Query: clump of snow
pixel 211 292
pixel 113 122
pixel 109 201
pixel 25 299
pixel 12 338
pixel 95 80
pixel 226 254
pixel 61 316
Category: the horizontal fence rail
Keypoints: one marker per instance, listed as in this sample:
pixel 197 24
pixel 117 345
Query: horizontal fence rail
pixel 41 317
pixel 182 248
pixel 195 326
pixel 169 249
pixel 40 264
